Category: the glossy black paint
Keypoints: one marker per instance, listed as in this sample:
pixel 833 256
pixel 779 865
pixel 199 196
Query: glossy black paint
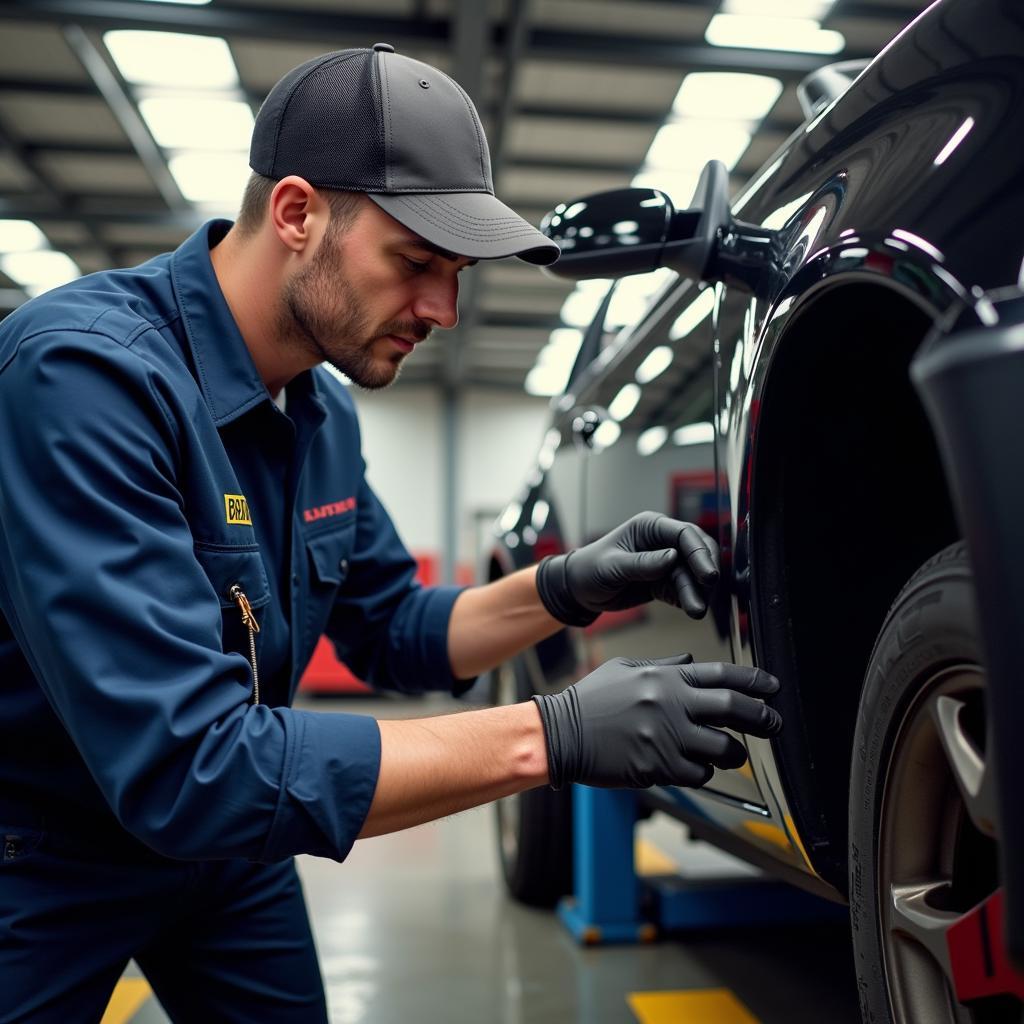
pixel 611 233
pixel 891 216
pixel 637 230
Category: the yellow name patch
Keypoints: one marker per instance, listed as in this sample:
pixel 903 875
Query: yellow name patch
pixel 236 508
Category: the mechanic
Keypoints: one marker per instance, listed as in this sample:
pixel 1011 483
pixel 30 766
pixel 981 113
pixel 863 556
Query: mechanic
pixel 183 512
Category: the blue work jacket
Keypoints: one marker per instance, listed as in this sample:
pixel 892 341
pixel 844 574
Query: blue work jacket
pixel 147 480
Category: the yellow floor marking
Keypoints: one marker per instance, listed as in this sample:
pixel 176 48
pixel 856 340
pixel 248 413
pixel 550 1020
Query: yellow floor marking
pixel 746 771
pixel 649 860
pixel 769 833
pixel 708 1006
pixel 791 826
pixel 129 995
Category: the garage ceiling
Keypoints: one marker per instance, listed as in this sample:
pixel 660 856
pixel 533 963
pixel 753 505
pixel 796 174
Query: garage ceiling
pixel 572 93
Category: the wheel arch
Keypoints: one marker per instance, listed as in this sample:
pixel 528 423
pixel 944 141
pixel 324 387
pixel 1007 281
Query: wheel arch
pixel 845 507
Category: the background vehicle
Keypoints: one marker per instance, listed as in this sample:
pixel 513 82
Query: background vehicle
pixel 772 367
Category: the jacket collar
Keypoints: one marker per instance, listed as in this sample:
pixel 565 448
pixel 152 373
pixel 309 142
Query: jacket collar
pixel 225 371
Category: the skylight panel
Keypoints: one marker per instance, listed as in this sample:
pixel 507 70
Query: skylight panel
pixel 757 32
pixel 692 143
pixel 21 236
pixel 190 123
pixel 172 59
pixel 211 177
pixel 726 95
pixel 39 271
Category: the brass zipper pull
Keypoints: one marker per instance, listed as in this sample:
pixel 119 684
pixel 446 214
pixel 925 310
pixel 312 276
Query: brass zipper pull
pixel 249 621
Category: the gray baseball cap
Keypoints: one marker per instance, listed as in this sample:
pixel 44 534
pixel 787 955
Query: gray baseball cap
pixel 373 121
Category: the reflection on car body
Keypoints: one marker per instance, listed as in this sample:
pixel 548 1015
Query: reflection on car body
pixel 766 393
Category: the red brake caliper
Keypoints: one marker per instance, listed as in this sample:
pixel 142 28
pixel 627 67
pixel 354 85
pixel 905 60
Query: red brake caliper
pixel 977 953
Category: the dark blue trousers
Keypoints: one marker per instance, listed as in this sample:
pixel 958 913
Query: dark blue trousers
pixel 217 940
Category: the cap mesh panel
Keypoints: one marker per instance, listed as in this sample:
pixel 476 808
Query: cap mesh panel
pixel 332 143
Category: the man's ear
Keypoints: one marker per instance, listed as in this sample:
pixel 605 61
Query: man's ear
pixel 297 213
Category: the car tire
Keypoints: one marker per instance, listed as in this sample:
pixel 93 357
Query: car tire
pixel 534 828
pixel 923 852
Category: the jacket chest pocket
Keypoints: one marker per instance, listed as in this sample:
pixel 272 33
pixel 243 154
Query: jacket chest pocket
pixel 240 582
pixel 327 564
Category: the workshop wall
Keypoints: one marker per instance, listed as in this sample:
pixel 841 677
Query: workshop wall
pixel 403 443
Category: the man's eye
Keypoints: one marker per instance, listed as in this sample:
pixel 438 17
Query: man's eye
pixel 416 266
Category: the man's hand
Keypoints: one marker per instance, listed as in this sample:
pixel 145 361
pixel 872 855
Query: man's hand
pixel 649 556
pixel 634 724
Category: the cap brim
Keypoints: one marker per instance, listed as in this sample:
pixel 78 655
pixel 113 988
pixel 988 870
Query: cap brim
pixel 470 224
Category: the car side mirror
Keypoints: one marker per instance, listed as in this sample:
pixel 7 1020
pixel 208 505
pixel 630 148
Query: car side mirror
pixel 636 230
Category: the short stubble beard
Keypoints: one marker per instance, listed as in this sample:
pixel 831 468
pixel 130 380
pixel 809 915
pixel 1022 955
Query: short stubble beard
pixel 342 338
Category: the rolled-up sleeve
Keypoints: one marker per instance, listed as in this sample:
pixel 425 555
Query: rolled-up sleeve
pixel 122 627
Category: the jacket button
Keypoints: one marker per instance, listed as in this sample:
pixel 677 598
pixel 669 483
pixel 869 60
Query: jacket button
pixel 343 565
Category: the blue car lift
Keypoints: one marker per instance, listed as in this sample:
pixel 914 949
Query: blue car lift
pixel 613 904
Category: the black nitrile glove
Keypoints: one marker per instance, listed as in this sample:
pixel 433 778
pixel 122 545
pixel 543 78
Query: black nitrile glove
pixel 649 556
pixel 633 724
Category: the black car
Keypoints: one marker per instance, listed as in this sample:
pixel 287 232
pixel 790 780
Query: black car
pixel 772 393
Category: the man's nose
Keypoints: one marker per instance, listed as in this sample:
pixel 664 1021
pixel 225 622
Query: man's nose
pixel 438 302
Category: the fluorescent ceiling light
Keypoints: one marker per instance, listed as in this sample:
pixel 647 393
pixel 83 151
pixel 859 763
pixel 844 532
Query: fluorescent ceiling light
pixel 816 9
pixel 211 177
pixel 694 433
pixel 20 236
pixel 693 314
pixel 546 455
pixel 679 185
pixel 539 518
pixel 651 440
pixel 799 35
pixel 694 142
pixel 181 123
pixel 192 2
pixel 958 136
pixel 606 434
pixel 920 242
pixel 550 375
pixel 726 94
pixel 510 517
pixel 39 271
pixel 567 339
pixel 172 58
pixel 546 380
pixel 583 301
pixel 633 296
pixel 624 402
pixel 555 359
pixel 657 362
pixel 780 217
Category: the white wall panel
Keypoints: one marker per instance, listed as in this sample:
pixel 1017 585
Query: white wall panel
pixel 500 433
pixel 405 465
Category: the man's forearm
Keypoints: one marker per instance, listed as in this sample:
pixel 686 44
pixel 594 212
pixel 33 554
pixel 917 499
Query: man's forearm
pixel 431 767
pixel 492 622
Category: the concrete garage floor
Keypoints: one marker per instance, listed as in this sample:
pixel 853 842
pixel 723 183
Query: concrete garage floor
pixel 417 927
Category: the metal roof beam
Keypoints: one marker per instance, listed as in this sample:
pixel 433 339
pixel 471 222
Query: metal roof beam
pixel 520 318
pixel 111 87
pixel 11 299
pixel 572 46
pixel 51 194
pixel 95 213
pixel 245 22
pixel 471 46
pixel 516 40
pixel 645 51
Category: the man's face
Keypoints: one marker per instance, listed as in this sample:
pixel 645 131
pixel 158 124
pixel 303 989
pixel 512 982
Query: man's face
pixel 371 292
